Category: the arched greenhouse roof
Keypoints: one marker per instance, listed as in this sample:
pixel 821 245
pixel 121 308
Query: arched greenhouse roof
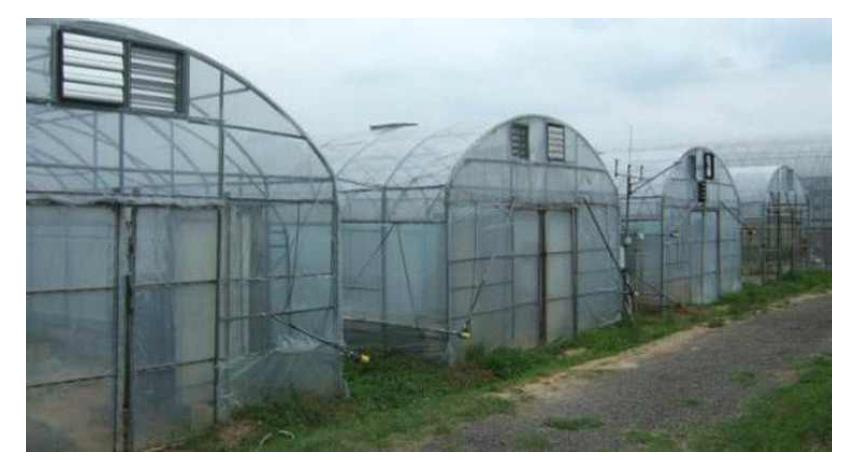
pixel 266 153
pixel 406 155
pixel 660 168
pixel 757 183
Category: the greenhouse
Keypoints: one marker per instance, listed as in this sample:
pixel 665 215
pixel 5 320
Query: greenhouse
pixel 810 158
pixel 505 233
pixel 774 211
pixel 181 241
pixel 681 229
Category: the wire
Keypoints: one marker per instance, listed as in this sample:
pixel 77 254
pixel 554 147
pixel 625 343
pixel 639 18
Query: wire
pixel 358 356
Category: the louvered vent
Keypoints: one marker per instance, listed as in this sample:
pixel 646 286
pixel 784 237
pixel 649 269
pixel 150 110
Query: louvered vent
pixel 709 166
pixel 519 141
pixel 154 79
pixel 555 142
pixel 92 69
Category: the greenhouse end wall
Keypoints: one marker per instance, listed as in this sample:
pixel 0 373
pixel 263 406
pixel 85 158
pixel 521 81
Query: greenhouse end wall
pixel 810 158
pixel 683 249
pixel 180 249
pixel 775 213
pixel 448 232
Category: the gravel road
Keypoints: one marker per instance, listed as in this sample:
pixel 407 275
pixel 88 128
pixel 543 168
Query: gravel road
pixel 693 377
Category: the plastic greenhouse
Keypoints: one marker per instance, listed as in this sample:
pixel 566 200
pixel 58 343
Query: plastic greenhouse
pixel 505 232
pixel 181 234
pixel 774 212
pixel 682 226
pixel 811 160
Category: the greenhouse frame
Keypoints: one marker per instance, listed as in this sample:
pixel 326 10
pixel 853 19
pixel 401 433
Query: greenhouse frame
pixel 810 158
pixel 681 225
pixel 507 233
pixel 774 212
pixel 181 243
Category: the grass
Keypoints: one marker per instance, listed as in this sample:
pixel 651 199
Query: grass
pixel 531 442
pixel 399 400
pixel 745 379
pixel 573 424
pixel 655 441
pixel 792 418
pixel 692 402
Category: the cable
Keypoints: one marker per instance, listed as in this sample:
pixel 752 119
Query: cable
pixel 357 356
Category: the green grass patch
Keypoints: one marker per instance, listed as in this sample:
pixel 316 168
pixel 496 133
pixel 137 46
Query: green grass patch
pixel 399 400
pixel 755 297
pixel 653 441
pixel 745 379
pixel 716 322
pixel 573 424
pixel 531 442
pixel 792 418
pixel 692 402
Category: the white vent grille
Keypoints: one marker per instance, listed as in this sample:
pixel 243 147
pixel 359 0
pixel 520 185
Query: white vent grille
pixel 555 142
pixel 92 68
pixel 519 141
pixel 154 79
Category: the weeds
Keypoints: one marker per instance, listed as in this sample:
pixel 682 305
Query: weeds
pixel 793 418
pixel 745 379
pixel 531 442
pixel 573 424
pixel 652 440
pixel 398 399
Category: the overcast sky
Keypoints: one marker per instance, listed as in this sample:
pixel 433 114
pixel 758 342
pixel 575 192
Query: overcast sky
pixel 673 80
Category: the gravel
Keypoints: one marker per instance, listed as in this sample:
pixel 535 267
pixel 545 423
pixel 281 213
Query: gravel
pixel 700 378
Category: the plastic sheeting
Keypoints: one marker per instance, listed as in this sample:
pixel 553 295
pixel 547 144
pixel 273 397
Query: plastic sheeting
pixel 775 213
pixel 810 158
pixel 168 256
pixel 811 161
pixel 681 250
pixel 444 230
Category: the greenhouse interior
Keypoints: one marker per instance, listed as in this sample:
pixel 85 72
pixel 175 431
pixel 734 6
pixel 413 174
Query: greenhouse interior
pixel 181 241
pixel 681 225
pixel 774 211
pixel 507 234
pixel 810 158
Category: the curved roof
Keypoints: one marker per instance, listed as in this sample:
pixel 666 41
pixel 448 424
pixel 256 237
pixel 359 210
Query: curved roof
pixel 263 116
pixel 757 183
pixel 807 157
pixel 657 168
pixel 407 155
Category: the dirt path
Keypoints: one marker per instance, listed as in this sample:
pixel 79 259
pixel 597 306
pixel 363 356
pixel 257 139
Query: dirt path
pixel 697 376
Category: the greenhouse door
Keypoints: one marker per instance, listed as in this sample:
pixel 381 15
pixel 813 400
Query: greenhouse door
pixel 71 328
pixel 704 242
pixel 170 312
pixel 558 236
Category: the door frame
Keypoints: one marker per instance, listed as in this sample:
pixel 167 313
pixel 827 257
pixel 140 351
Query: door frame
pixel 126 289
pixel 543 273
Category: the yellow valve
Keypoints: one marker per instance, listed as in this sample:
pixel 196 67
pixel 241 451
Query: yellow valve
pixel 363 358
pixel 465 333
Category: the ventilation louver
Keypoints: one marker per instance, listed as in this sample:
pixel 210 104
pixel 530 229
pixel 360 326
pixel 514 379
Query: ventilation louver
pixel 555 142
pixel 154 79
pixel 92 69
pixel 519 141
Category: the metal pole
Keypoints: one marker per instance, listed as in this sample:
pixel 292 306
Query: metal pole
pixel 541 217
pixel 662 252
pixel 130 280
pixel 383 273
pixel 779 236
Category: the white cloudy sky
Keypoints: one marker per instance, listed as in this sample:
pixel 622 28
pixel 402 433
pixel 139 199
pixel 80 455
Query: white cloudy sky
pixel 672 80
